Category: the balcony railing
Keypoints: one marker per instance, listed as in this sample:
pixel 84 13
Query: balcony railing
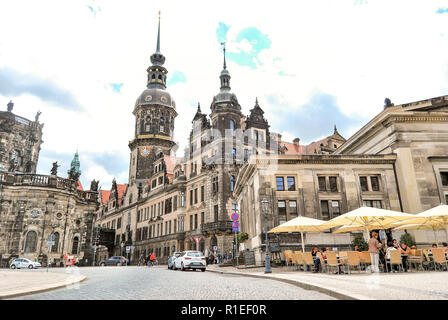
pixel 217 226
pixel 39 180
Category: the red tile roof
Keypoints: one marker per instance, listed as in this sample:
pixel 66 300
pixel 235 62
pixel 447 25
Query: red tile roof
pixel 105 194
pixel 80 186
pixel 121 188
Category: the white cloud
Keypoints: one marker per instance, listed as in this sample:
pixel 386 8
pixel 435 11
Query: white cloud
pixel 358 53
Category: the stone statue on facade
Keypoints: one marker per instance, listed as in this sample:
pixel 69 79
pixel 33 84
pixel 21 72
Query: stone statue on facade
pixel 36 119
pixel 94 185
pixel 73 174
pixel 12 165
pixel 29 166
pixel 54 169
pixel 387 103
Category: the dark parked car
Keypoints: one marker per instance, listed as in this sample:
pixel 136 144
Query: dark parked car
pixel 114 261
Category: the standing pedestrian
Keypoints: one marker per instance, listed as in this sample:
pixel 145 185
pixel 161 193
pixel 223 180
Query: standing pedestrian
pixel 374 246
pixel 219 258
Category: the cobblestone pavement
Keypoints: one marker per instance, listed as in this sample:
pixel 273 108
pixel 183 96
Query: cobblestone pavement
pixel 136 283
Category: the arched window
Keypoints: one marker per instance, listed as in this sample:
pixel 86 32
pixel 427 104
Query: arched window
pixel 232 183
pixel 75 245
pixel 160 77
pixel 31 242
pixel 148 124
pixel 153 76
pixel 162 124
pixel 55 247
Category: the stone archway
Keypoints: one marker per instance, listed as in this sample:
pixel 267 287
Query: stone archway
pixel 213 242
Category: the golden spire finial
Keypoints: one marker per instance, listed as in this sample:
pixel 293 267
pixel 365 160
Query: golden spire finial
pixel 159 14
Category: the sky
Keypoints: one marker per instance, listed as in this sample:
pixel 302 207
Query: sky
pixel 311 64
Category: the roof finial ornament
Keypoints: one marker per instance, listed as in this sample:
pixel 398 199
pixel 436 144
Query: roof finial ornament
pixel 335 129
pixel 224 50
pixel 10 106
pixel 199 107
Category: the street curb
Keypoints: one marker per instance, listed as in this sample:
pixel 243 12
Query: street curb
pixel 56 286
pixel 303 285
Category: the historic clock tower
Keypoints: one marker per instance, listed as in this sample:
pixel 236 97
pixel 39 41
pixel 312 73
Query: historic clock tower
pixel 154 113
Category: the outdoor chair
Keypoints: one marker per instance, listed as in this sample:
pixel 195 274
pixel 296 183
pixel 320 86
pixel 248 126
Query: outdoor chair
pixel 322 261
pixel 353 260
pixel 439 259
pixel 395 259
pixel 365 259
pixel 416 259
pixel 288 257
pixel 428 263
pixel 299 260
pixel 308 260
pixel 332 261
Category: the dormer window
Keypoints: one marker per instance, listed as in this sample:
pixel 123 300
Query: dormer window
pixel 162 124
pixel 148 124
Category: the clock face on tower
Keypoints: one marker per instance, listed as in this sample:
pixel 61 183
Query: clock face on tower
pixel 144 151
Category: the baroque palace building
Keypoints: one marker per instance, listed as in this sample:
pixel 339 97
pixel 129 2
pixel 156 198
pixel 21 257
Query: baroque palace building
pixel 34 206
pixel 397 161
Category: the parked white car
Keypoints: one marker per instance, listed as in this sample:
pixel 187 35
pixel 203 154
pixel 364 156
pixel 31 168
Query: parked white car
pixel 24 263
pixel 190 260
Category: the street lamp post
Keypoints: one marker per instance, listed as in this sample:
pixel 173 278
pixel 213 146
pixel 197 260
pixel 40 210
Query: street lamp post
pixel 265 210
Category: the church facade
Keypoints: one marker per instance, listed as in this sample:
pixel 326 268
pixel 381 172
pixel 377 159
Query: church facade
pixel 35 207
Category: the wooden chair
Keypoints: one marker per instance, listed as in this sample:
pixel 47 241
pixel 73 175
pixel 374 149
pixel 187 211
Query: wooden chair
pixel 439 258
pixel 416 259
pixel 395 259
pixel 428 263
pixel 332 260
pixel 308 260
pixel 353 260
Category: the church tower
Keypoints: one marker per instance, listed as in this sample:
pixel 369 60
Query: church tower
pixel 154 113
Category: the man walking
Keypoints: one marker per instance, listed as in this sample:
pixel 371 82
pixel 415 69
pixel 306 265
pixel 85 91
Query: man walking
pixel 374 245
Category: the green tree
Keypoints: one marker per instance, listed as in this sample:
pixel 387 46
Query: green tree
pixel 242 236
pixel 408 239
pixel 361 243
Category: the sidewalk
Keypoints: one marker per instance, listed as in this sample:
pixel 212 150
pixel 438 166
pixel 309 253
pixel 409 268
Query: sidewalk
pixel 21 282
pixel 364 286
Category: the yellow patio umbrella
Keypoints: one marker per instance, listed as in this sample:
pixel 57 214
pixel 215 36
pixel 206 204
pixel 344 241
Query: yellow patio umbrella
pixel 434 227
pixel 367 218
pixel 300 224
pixel 435 218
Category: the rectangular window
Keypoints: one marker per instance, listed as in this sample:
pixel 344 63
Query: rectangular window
pixel 363 183
pixel 175 203
pixel 333 184
pixel 195 221
pixel 373 203
pixel 216 212
pixel 119 223
pixel 202 218
pixel 175 225
pixel 215 185
pixel 280 183
pixel 446 198
pixel 335 209
pixel 195 195
pixel 191 222
pixel 281 211
pixel 444 176
pixel 322 183
pixel 325 210
pixel 375 183
pixel 191 197
pixel 202 193
pixel 292 209
pixel 291 183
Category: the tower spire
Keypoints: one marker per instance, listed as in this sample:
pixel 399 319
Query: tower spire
pixel 224 50
pixel 158 37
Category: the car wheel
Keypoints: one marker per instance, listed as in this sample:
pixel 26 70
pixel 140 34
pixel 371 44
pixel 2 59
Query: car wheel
pixel 203 270
pixel 30 266
pixel 13 266
pixel 102 264
pixel 182 266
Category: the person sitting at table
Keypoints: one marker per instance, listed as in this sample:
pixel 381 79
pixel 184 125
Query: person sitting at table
pixel 405 251
pixel 390 247
pixel 316 259
pixel 445 246
pixel 396 244
pixel 434 245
